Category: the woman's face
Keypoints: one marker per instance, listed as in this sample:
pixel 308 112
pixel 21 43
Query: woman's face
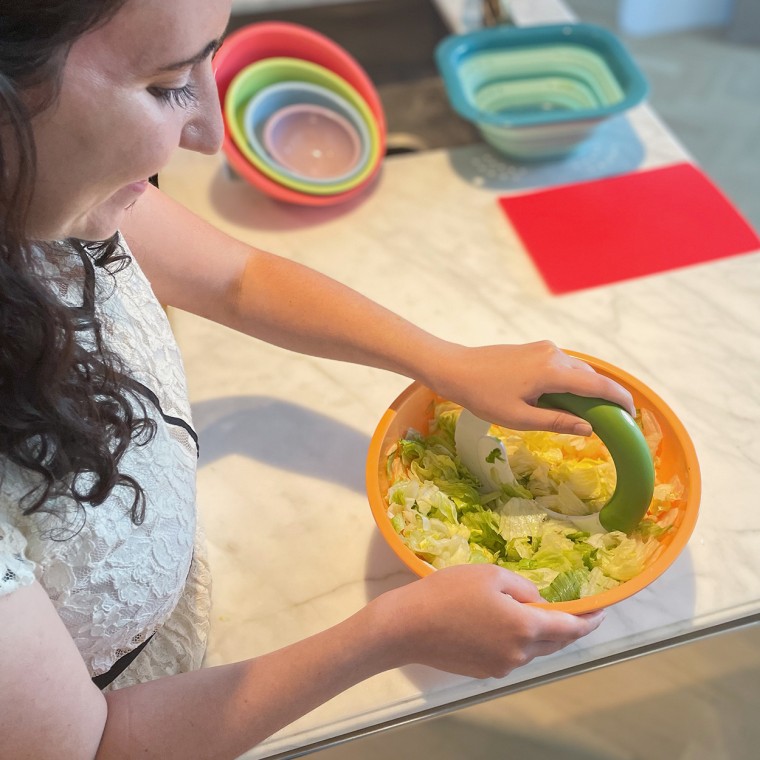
pixel 132 91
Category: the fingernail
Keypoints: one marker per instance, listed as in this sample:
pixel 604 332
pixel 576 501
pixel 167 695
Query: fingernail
pixel 582 428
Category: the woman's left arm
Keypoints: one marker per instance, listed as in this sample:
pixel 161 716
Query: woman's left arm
pixel 198 268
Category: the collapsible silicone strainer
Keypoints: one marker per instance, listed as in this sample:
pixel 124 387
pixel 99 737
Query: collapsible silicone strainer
pixel 485 457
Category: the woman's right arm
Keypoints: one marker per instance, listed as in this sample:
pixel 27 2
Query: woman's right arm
pixel 470 620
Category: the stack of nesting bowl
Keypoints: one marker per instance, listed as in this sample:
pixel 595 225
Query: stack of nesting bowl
pixel 538 92
pixel 303 121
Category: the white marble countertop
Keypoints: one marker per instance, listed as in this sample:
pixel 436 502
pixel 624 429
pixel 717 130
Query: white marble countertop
pixel 283 437
pixel 293 545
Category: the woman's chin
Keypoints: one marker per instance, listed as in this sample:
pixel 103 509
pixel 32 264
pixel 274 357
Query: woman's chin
pixel 98 226
pixel 98 222
pixel 88 230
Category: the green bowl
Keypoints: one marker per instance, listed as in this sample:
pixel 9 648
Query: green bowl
pixel 254 78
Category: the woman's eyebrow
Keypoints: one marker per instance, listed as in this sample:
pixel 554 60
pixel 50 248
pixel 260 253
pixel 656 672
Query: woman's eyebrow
pixel 197 58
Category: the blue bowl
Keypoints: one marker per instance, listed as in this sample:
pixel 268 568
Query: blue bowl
pixel 275 97
pixel 538 92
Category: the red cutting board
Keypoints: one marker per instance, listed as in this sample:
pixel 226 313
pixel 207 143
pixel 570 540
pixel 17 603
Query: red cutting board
pixel 603 231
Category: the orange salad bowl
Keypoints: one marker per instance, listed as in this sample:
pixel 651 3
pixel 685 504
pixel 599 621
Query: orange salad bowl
pixel 676 457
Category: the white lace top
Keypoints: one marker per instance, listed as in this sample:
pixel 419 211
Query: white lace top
pixel 112 582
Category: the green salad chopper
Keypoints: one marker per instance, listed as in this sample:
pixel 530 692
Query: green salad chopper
pixel 484 455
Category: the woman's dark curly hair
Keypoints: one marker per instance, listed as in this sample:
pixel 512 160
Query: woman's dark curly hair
pixel 65 412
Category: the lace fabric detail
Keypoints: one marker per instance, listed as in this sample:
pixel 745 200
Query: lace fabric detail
pixel 15 569
pixel 179 645
pixel 112 582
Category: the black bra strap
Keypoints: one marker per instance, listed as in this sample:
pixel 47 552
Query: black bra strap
pixel 104 679
pixel 178 421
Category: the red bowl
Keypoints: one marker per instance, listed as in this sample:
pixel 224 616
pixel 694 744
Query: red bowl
pixel 277 38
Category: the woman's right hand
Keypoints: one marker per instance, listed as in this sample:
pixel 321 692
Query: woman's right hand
pixel 473 620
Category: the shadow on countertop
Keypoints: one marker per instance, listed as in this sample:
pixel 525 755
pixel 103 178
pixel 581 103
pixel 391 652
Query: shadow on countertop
pixel 281 434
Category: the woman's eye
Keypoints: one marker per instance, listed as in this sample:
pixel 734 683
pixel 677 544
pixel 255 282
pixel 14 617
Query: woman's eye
pixel 181 97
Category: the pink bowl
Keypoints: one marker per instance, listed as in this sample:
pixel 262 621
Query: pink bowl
pixel 312 141
pixel 277 38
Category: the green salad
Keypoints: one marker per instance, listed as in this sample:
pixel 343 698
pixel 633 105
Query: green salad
pixel 438 510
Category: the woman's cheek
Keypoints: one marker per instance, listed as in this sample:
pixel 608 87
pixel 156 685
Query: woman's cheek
pixel 155 147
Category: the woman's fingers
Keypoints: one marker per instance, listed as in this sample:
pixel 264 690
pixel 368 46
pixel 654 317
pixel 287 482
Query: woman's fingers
pixel 538 632
pixel 562 628
pixel 560 631
pixel 519 588
pixel 503 384
pixel 554 421
pixel 582 383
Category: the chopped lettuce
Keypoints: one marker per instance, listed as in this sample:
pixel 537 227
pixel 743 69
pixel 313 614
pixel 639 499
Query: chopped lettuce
pixel 566 586
pixel 435 506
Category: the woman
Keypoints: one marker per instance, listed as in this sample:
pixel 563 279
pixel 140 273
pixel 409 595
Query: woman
pixel 97 451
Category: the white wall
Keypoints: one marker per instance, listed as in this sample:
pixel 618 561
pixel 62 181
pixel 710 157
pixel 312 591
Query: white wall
pixel 644 17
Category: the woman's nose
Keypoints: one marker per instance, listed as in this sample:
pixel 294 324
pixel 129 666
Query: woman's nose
pixel 204 130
